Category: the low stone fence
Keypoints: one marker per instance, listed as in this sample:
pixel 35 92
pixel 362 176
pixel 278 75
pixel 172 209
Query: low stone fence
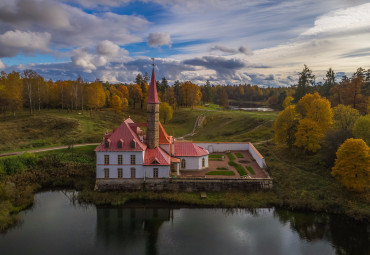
pixel 185 184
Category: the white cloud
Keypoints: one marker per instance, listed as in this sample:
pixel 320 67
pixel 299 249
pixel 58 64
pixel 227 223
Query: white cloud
pixel 2 65
pixel 158 39
pixel 11 42
pixel 107 48
pixel 342 21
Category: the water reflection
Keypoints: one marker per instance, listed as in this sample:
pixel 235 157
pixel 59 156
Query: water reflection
pixel 132 228
pixel 56 225
pixel 347 236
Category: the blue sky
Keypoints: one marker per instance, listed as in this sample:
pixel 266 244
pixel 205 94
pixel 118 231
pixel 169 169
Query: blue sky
pixel 227 42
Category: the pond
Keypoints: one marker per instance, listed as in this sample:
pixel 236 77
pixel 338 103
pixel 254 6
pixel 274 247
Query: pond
pixel 57 225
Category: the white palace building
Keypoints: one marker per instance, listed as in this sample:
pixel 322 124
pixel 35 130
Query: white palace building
pixel 129 152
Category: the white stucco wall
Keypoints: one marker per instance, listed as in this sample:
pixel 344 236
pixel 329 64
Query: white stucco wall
pixel 163 171
pixel 113 157
pixel 222 147
pixel 194 163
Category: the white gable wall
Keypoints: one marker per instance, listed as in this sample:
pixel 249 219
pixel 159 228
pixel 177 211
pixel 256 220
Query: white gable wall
pixel 194 163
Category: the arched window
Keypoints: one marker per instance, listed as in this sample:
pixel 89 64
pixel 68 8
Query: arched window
pixel 203 162
pixel 183 163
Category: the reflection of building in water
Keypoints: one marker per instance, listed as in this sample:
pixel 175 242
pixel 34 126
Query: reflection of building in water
pixel 130 229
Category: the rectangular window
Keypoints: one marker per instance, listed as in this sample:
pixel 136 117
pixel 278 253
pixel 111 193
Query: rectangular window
pixel 120 172
pixel 133 159
pixel 155 172
pixel 106 159
pixel 120 159
pixel 133 172
pixel 106 172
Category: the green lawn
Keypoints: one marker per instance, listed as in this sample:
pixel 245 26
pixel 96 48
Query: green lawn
pixel 221 168
pixel 250 170
pixel 220 173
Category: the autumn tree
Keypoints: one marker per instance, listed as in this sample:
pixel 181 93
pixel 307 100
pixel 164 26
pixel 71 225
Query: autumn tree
pixel 361 128
pixel 316 118
pixel 165 112
pixel 285 126
pixel 135 93
pixel 11 94
pixel 344 117
pixel 352 166
pixel 309 135
pixel 95 95
pixel 191 94
pixel 287 101
pixel 116 103
pixel 28 79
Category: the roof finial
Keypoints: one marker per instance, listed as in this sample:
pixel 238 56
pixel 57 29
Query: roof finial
pixel 153 62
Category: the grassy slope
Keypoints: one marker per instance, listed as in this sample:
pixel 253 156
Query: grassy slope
pixel 56 127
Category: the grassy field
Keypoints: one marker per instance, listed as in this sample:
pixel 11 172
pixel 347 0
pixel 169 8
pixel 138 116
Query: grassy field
pixel 57 127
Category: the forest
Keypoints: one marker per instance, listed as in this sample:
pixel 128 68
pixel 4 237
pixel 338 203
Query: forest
pixel 30 90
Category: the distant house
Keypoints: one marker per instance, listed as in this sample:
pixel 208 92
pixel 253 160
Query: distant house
pixel 129 152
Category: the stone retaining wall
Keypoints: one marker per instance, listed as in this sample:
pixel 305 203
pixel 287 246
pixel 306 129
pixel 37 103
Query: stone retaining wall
pixel 184 184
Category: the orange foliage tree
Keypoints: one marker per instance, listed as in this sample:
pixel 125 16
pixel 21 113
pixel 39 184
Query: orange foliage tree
pixel 352 166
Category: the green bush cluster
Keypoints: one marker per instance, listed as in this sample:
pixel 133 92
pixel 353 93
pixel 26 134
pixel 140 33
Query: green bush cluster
pixel 12 165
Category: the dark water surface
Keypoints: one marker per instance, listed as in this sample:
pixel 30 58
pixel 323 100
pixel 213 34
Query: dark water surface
pixel 55 225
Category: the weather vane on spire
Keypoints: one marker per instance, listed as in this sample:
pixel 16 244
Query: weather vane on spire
pixel 153 61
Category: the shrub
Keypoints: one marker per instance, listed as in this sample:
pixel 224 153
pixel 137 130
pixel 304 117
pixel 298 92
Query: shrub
pixel 239 155
pixel 215 156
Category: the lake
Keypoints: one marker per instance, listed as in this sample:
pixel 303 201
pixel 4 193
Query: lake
pixel 58 225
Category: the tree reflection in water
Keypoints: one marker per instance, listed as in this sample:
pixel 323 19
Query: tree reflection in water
pixel 333 228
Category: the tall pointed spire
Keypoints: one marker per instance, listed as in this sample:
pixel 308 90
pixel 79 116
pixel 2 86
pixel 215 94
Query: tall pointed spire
pixel 153 95
pixel 152 114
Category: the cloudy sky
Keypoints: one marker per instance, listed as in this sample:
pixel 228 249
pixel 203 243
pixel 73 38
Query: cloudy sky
pixel 264 42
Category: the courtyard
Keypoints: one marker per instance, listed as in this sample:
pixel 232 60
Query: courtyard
pixel 228 165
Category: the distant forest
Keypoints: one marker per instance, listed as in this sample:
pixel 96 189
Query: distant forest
pixel 30 90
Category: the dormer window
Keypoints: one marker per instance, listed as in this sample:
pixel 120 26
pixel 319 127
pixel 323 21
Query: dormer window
pixel 107 143
pixel 133 144
pixel 155 161
pixel 120 143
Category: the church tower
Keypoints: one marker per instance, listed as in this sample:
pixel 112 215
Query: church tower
pixel 152 114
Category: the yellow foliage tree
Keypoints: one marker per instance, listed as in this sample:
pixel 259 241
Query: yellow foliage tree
pixel 352 166
pixel 361 128
pixel 287 101
pixel 165 112
pixel 309 135
pixel 116 103
pixel 191 94
pixel 285 126
pixel 316 118
pixel 345 117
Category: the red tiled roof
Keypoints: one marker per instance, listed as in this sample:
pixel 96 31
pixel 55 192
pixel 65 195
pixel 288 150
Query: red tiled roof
pixel 188 149
pixel 153 96
pixel 124 132
pixel 158 155
pixel 163 137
